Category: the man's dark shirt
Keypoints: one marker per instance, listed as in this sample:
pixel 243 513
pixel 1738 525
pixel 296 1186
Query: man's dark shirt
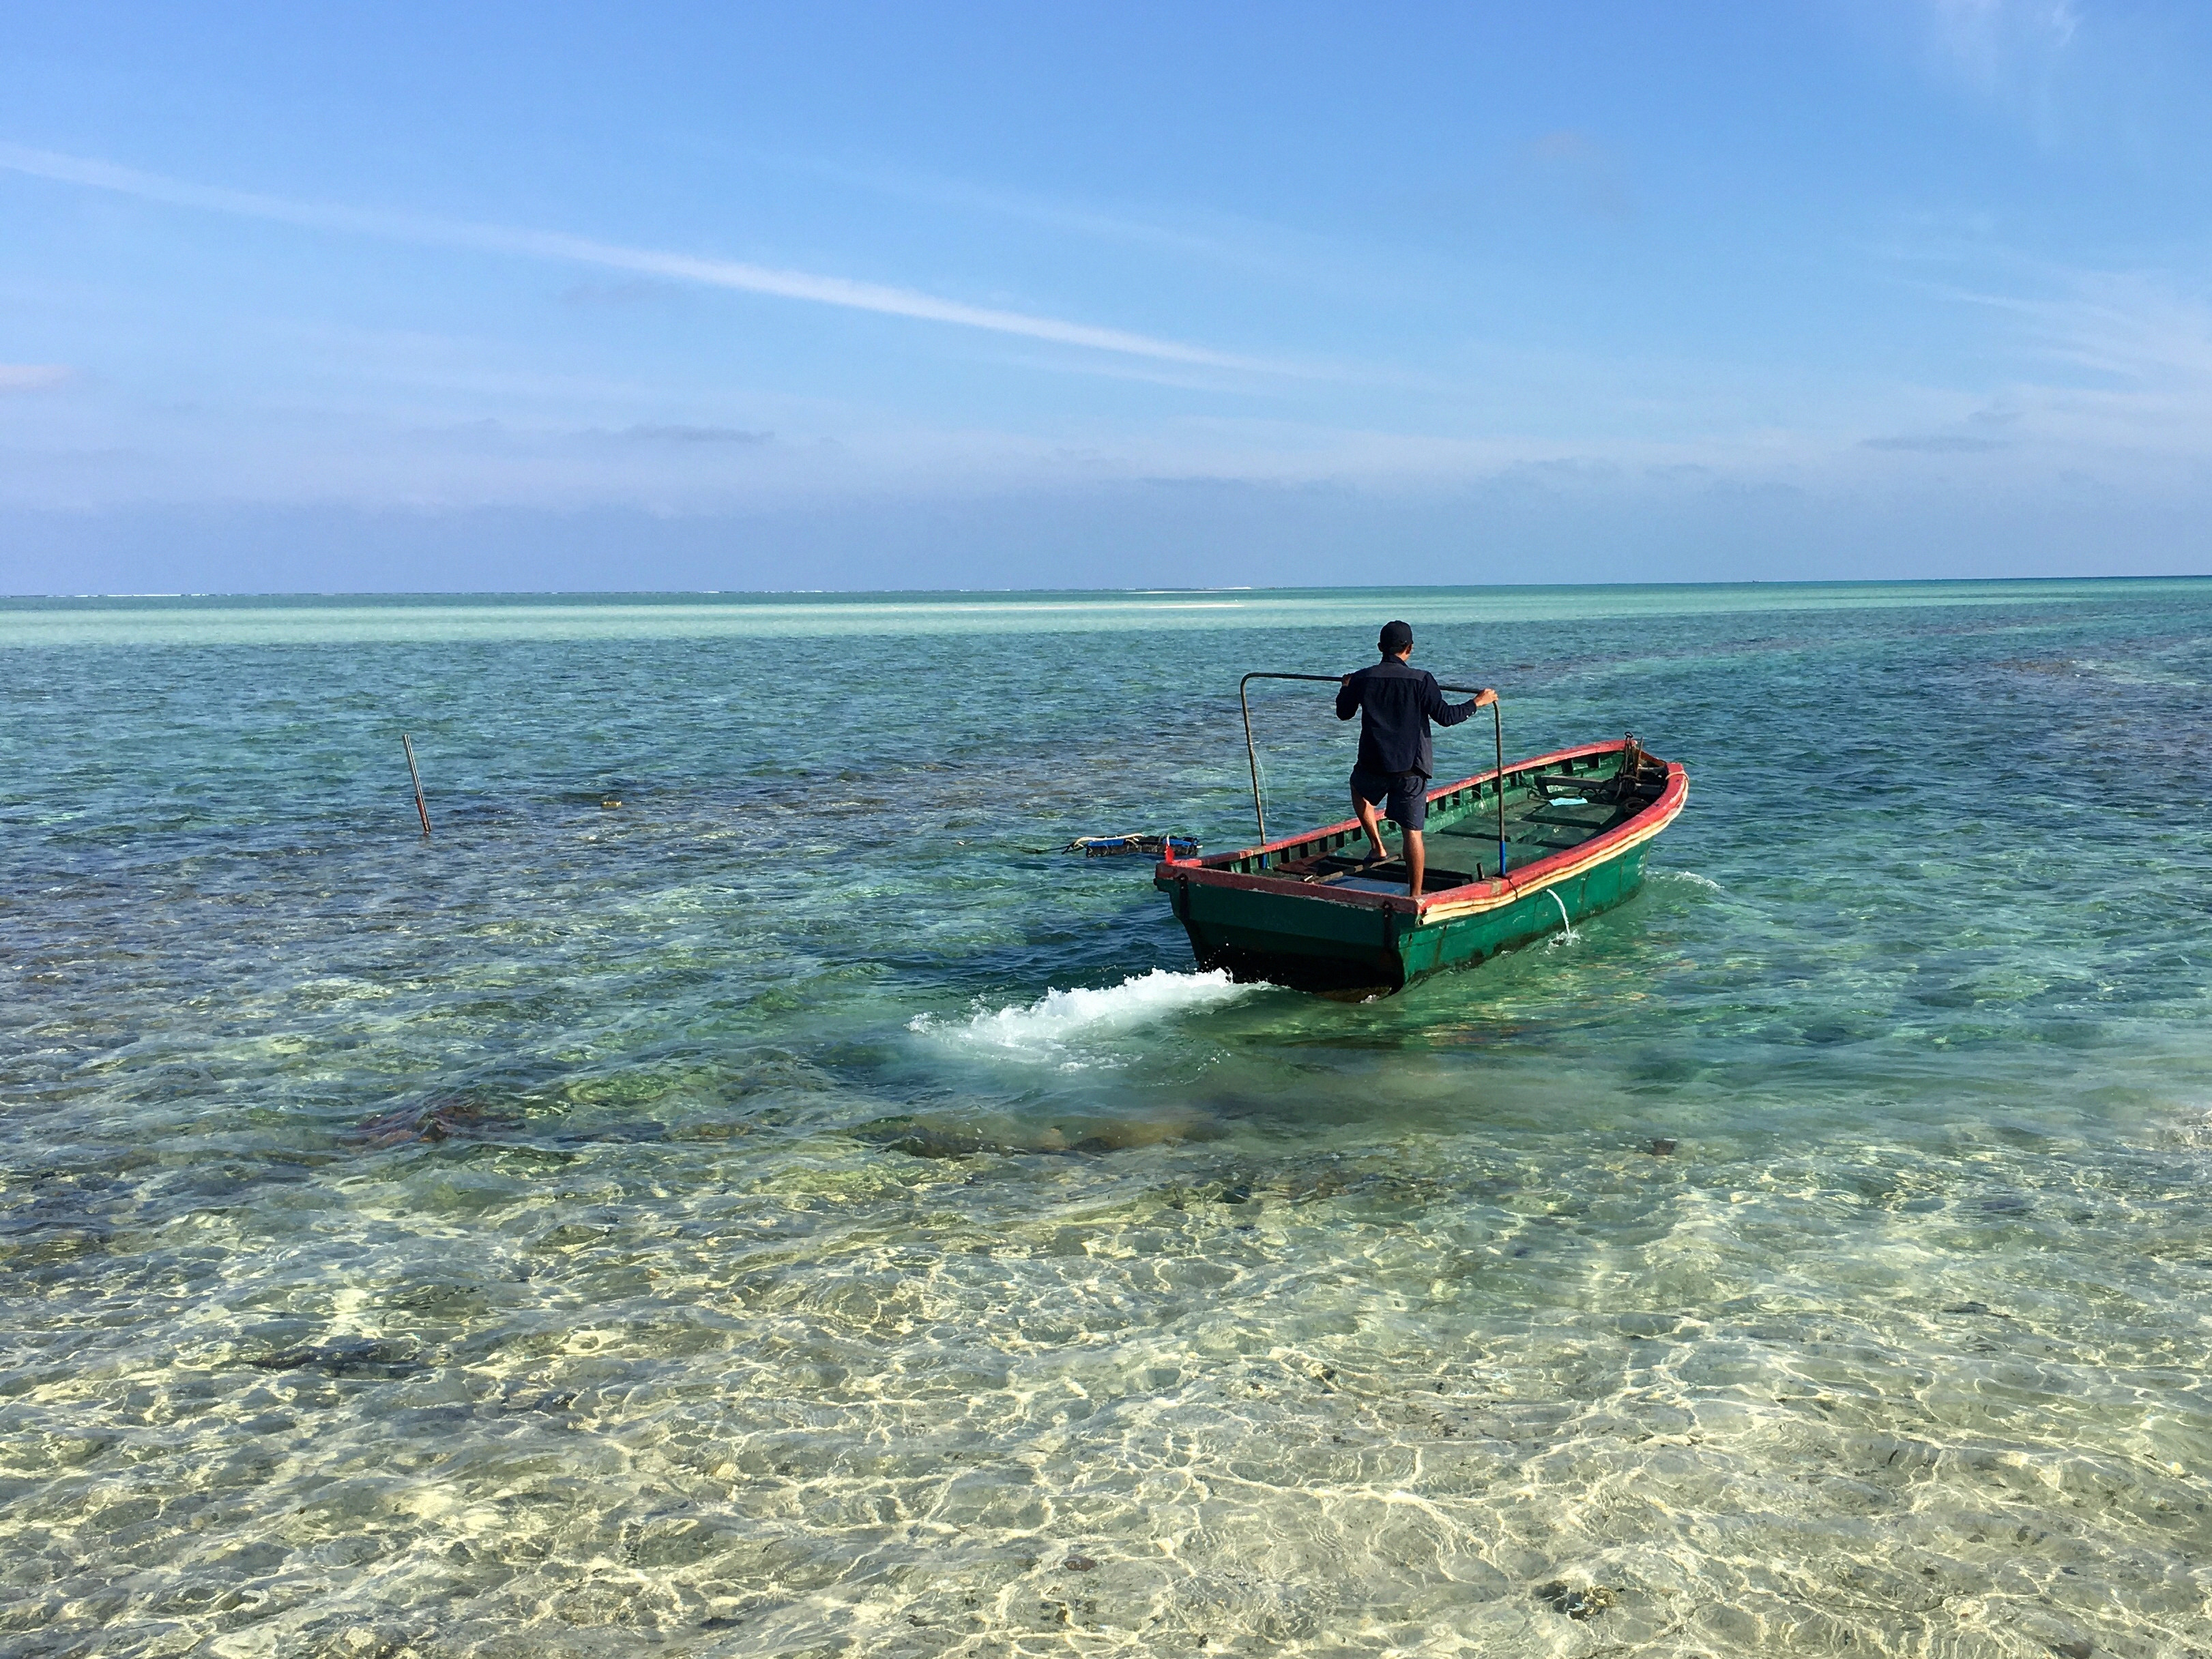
pixel 1399 701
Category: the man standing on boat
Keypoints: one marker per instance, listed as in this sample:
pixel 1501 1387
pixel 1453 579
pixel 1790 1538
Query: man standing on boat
pixel 1395 702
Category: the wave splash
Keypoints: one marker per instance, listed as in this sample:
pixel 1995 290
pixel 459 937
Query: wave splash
pixel 1060 1022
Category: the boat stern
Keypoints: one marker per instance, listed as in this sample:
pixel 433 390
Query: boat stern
pixel 1256 935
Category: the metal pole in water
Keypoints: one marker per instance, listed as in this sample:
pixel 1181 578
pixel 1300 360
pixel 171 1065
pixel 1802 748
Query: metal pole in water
pixel 422 810
pixel 1497 731
pixel 1251 753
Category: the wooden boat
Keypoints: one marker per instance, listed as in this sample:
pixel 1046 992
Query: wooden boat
pixel 1312 913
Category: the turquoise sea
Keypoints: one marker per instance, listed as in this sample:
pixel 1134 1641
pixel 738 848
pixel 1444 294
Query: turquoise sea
pixel 797 1211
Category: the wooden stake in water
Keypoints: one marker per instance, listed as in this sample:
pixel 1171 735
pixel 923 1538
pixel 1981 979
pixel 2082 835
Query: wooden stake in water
pixel 420 810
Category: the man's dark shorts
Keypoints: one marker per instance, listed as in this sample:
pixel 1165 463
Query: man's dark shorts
pixel 1404 798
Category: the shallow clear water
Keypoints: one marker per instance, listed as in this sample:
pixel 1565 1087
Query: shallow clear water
pixel 796 1211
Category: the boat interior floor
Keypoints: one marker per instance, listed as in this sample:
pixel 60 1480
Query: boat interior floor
pixel 1534 829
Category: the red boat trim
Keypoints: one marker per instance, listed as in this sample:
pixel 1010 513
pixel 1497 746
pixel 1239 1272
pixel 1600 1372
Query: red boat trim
pixel 1447 903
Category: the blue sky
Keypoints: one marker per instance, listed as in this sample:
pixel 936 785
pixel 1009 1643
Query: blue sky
pixel 675 296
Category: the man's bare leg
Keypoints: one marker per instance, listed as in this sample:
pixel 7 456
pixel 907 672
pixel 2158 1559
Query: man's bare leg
pixel 1416 860
pixel 1371 822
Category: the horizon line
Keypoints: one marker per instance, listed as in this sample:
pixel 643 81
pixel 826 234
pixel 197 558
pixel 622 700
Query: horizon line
pixel 1149 590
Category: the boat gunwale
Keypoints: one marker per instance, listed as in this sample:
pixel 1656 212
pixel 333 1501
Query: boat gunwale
pixel 1470 897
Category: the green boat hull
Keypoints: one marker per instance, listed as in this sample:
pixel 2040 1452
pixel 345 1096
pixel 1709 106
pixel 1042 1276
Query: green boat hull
pixel 1259 915
pixel 1265 936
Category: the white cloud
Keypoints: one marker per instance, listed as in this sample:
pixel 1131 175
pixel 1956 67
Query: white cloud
pixel 586 251
pixel 33 377
pixel 1972 28
pixel 1992 42
pixel 2125 367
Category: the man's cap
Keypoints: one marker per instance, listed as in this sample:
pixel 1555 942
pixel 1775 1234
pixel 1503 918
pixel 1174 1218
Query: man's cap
pixel 1396 636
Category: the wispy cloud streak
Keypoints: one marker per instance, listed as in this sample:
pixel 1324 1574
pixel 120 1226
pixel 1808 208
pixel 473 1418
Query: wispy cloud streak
pixel 839 291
